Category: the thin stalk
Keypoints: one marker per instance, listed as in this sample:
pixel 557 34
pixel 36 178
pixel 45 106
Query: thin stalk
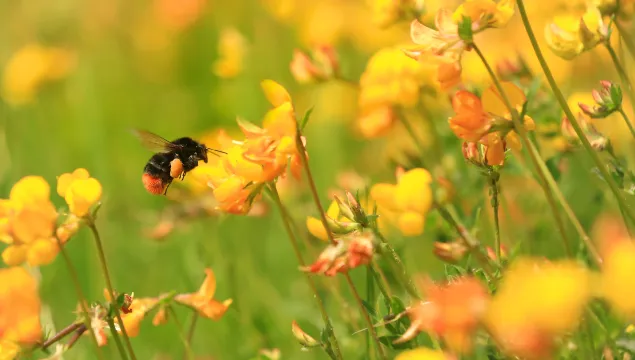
pixel 369 322
pixel 179 326
pixel 320 208
pixel 113 300
pixel 190 331
pixel 627 121
pixel 294 242
pixel 370 299
pixel 626 36
pixel 467 238
pixel 518 126
pixel 595 255
pixel 61 334
pixel 83 302
pixel 380 278
pixel 574 122
pixel 413 135
pixel 494 191
pixel 398 267
pixel 115 335
pixel 626 82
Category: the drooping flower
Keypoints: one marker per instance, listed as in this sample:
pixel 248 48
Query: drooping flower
pixel 411 199
pixel 526 325
pixel 79 190
pixel 347 253
pixel 30 68
pixel 232 48
pixel 27 223
pixel 203 300
pixel 452 311
pixel 568 35
pixel 20 306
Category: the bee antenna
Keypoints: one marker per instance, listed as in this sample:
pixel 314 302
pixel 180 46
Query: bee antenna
pixel 216 150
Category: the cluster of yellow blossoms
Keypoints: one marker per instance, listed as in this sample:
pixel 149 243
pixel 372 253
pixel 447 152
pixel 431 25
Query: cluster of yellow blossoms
pixel 28 219
pixel 264 155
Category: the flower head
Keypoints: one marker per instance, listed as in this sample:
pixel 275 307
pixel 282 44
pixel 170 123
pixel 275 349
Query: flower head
pixel 320 65
pixel 568 36
pixel 525 324
pixel 347 253
pixel 422 353
pixel 452 311
pixel 30 68
pixel 20 304
pixel 232 48
pixel 27 223
pixel 203 300
pixel 411 199
pixel 390 79
pixel 607 101
pixel 79 190
pixel 616 276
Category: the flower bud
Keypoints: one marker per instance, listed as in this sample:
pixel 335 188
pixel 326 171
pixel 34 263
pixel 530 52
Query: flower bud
pixel 607 101
pixel 341 227
pixel 68 228
pixel 510 69
pixel 305 339
pixel 359 215
pixel 161 317
pixel 472 153
pixel 451 252
pixel 598 141
pixel 345 209
pixel 491 253
pixel 321 65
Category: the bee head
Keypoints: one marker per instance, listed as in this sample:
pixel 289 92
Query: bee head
pixel 201 151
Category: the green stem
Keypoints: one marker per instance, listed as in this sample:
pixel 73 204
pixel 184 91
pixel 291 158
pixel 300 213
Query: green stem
pixel 628 41
pixel 384 288
pixel 627 121
pixel 113 300
pixel 369 322
pixel 398 266
pixel 626 82
pixel 190 332
pixel 494 191
pixel 413 135
pixel 179 326
pixel 520 129
pixel 83 302
pixel 574 122
pixel 115 335
pixel 294 242
pixel 320 208
pixel 370 299
pixel 595 255
pixel 472 244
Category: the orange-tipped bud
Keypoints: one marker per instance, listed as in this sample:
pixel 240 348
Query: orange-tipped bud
pixel 450 252
pixel 305 339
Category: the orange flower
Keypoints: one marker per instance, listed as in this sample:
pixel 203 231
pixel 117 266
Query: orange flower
pixel 348 253
pixel 20 306
pixel 471 121
pixel 453 311
pixel 203 300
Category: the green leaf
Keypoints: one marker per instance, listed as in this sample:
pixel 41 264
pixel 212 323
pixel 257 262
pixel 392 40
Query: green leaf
pixel 552 165
pixel 465 29
pixel 388 339
pixel 306 117
pixel 370 308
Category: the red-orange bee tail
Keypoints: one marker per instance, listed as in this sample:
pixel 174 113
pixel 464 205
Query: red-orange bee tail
pixel 153 184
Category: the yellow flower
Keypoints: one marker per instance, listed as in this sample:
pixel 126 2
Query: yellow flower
pixel 390 79
pixel 8 350
pixel 232 48
pixel 388 12
pixel 411 198
pixel 19 299
pixel 568 35
pixel 516 314
pixel 79 190
pixel 203 300
pixel 617 283
pixel 31 67
pixel 485 13
pixel 27 222
pixel 315 226
pixel 422 353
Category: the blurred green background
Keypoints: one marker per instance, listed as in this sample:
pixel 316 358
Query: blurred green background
pixel 150 65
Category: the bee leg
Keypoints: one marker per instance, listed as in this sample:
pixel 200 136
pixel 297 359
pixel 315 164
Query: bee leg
pixel 166 188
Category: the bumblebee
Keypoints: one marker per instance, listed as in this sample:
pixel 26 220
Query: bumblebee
pixel 172 159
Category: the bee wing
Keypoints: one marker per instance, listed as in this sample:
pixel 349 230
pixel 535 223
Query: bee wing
pixel 154 142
